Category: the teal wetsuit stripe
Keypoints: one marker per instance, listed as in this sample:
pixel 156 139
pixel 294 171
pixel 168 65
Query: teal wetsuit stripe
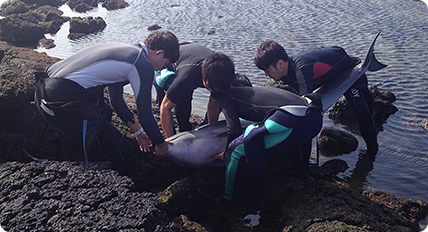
pixel 236 155
pixel 277 134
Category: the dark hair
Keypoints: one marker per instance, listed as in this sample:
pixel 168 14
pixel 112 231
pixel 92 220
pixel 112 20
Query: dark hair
pixel 269 53
pixel 241 80
pixel 218 71
pixel 166 41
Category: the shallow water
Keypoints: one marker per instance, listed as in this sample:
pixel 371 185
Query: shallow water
pixel 400 167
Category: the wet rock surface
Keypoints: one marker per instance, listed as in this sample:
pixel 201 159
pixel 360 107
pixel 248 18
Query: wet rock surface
pixel 79 27
pixel 68 194
pixel 74 196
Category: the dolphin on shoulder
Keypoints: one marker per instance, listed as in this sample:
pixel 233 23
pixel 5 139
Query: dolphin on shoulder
pixel 198 147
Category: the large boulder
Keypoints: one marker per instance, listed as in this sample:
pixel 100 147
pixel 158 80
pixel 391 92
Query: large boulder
pixel 336 142
pixel 14 7
pixel 382 108
pixel 22 29
pixel 27 29
pixel 80 27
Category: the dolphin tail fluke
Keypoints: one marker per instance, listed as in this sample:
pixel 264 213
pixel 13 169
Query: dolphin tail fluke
pixel 331 91
pixel 374 64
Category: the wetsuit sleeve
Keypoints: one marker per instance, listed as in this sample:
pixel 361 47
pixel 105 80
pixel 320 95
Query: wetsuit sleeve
pixel 188 79
pixel 232 117
pixel 119 103
pixel 141 79
pixel 304 79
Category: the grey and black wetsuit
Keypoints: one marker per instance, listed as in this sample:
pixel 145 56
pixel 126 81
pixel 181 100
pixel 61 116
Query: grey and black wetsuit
pixel 188 78
pixel 71 98
pixel 252 103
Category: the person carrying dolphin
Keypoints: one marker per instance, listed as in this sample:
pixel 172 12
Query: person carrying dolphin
pixel 70 97
pixel 310 69
pixel 287 123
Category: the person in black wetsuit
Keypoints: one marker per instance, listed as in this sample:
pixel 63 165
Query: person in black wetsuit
pixel 179 94
pixel 310 69
pixel 69 95
pixel 286 122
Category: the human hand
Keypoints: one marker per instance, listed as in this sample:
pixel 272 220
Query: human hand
pixel 162 149
pixel 220 156
pixel 144 142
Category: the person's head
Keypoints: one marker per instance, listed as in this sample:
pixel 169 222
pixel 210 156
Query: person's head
pixel 272 58
pixel 218 72
pixel 241 80
pixel 162 47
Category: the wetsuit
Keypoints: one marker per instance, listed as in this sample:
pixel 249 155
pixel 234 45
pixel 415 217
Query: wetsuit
pixel 188 78
pixel 251 103
pixel 281 130
pixel 310 69
pixel 70 97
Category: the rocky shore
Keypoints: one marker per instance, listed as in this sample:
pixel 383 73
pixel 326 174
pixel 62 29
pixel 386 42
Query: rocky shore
pixel 68 194
pixel 63 192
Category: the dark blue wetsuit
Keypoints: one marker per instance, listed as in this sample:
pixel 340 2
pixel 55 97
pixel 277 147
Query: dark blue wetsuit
pixel 188 78
pixel 71 99
pixel 310 69
pixel 282 129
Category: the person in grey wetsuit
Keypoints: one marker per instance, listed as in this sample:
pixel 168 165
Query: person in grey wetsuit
pixel 284 122
pixel 308 70
pixel 70 97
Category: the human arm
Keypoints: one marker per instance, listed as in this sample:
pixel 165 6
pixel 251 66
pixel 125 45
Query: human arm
pixel 213 110
pixel 166 117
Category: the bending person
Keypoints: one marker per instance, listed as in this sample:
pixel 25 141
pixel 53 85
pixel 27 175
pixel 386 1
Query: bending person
pixel 179 94
pixel 70 96
pixel 310 69
pixel 286 128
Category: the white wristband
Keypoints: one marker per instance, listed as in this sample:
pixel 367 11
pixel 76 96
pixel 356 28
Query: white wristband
pixel 138 132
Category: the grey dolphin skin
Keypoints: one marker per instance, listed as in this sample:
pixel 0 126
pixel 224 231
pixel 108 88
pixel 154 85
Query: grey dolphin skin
pixel 197 148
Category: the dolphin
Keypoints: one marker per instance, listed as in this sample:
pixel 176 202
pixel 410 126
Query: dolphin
pixel 198 147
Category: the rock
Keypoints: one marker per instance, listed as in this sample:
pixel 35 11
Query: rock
pixel 74 196
pixel 183 224
pixel 182 197
pixel 279 84
pixel 330 168
pixel 83 7
pixel 382 108
pixel 335 142
pixel 425 124
pixel 22 29
pixel 115 4
pixel 14 7
pixel 154 27
pixel 27 29
pixel 75 3
pixel 79 27
pixel 47 43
